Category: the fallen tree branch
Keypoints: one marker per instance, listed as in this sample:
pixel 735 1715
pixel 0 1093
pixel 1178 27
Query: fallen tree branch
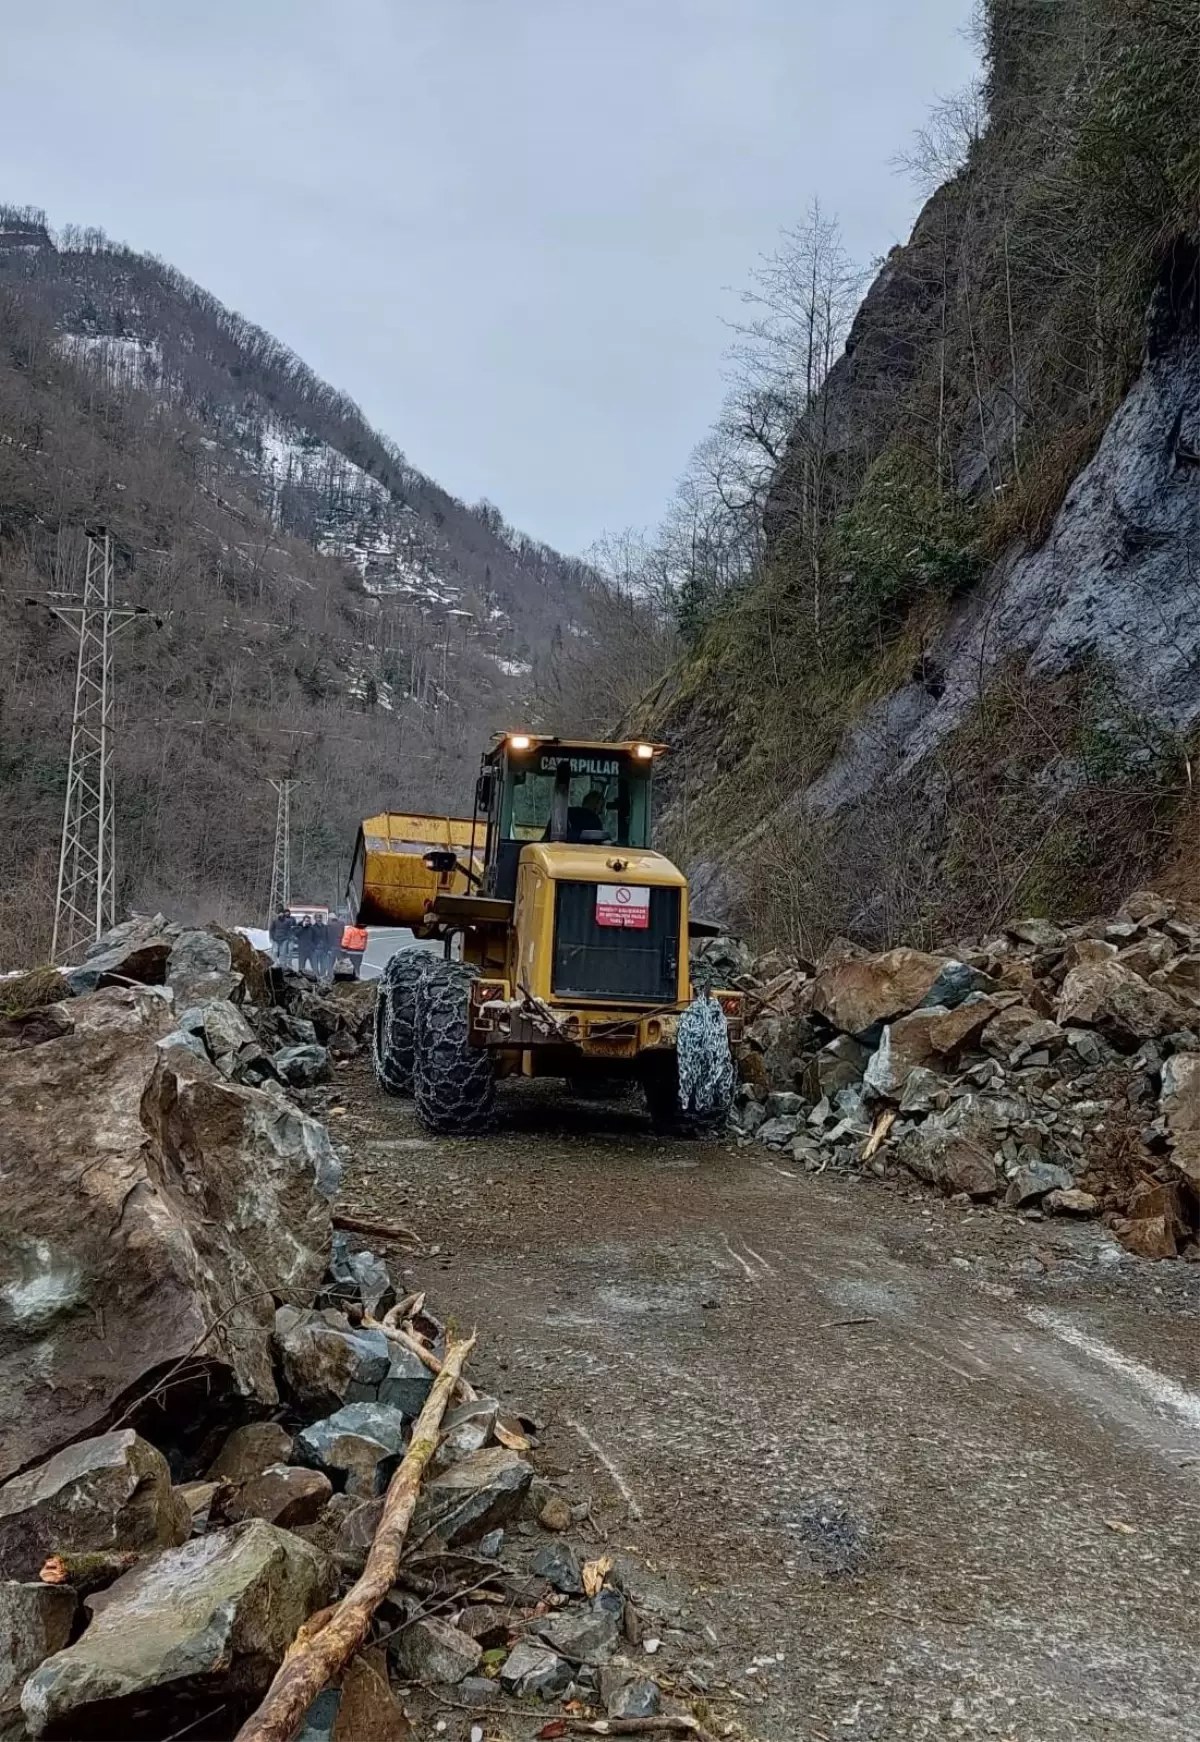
pixel 375 1230
pixel 677 1723
pixel 464 1392
pixel 316 1656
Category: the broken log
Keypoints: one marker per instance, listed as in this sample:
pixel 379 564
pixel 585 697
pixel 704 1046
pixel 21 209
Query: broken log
pixel 679 1724
pixel 375 1230
pixel 463 1391
pixel 320 1652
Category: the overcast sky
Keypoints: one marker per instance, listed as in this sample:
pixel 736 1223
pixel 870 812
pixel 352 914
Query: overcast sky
pixel 508 228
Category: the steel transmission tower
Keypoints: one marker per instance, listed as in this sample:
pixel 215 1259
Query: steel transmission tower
pixel 85 902
pixel 281 867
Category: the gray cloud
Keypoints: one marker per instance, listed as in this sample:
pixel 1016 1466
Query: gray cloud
pixel 509 228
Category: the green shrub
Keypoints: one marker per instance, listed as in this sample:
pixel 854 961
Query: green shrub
pixel 901 541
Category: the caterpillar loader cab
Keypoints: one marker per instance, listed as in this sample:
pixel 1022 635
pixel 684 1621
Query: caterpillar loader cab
pixel 573 934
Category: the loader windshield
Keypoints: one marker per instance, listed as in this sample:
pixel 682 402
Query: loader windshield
pixel 591 800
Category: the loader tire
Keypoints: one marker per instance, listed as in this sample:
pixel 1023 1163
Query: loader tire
pixel 395 1019
pixel 454 1082
pixel 660 1084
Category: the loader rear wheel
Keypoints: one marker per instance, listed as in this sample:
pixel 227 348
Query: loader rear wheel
pixel 660 1084
pixel 454 1082
pixel 395 1019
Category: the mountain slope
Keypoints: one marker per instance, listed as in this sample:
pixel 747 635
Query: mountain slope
pixel 330 611
pixel 967 676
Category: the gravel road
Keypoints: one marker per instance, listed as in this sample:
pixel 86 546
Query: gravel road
pixel 909 1470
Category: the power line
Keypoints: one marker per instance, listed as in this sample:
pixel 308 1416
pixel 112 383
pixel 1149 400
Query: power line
pixel 85 897
pixel 281 866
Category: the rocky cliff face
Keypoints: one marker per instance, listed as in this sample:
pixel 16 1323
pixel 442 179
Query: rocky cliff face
pixel 966 677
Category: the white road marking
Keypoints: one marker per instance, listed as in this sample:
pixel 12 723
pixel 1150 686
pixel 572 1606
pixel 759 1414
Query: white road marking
pixel 739 1259
pixel 604 1458
pixel 1156 1385
pixel 758 1259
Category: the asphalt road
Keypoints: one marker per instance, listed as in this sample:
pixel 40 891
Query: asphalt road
pixel 901 1470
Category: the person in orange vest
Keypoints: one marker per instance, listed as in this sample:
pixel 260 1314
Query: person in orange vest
pixel 354 945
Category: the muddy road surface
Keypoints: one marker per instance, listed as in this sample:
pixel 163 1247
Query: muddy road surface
pixel 903 1469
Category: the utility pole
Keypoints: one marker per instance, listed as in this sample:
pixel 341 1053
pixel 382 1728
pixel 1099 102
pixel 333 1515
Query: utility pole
pixel 281 867
pixel 85 900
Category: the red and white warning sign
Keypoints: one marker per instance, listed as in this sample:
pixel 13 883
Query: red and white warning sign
pixel 622 904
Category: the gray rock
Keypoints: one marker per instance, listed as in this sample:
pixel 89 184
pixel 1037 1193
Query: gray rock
pixel 582 1636
pixel 325 1366
pixel 534 1669
pixel 407 1382
pixel 198 967
pixel 302 1067
pixel 361 1272
pixel 840 1065
pixel 473 1497
pixel 921 1091
pixel 284 1495
pixel 357 1447
pixel 490 1545
pixel 1033 1179
pixel 752 1116
pixel 203 1624
pixel 111 1492
pixel 782 1102
pixel 1039 933
pixel 559 1564
pixel 320 1718
pixel 476 1690
pixel 35 1622
pixel 466 1428
pixel 954 983
pixel 633 1697
pixel 225 1029
pixel 249 1451
pixel 141 957
pixel 431 1650
pixel 776 1132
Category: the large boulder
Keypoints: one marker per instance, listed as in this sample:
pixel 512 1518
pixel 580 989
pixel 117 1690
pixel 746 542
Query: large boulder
pixel 1111 998
pixel 476 1495
pixel 151 1211
pixel 199 967
pixel 35 1622
pixel 184 1632
pixel 859 992
pixel 108 1493
pixel 358 1447
pixel 327 1364
pixel 1181 1108
pixel 249 1451
pixel 135 952
pixel 955 1151
pixel 929 1039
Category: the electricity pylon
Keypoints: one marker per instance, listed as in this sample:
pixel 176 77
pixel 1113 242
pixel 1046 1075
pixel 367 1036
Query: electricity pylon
pixel 281 867
pixel 85 900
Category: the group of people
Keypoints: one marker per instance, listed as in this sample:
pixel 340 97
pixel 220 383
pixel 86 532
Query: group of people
pixel 304 943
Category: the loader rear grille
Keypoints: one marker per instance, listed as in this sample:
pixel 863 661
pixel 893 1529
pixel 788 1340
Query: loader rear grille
pixel 603 962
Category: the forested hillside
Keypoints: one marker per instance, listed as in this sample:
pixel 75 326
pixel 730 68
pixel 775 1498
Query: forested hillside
pixel 938 587
pixel 329 611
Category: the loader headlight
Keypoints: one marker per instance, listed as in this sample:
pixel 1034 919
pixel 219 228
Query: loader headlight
pixel 643 752
pixel 518 741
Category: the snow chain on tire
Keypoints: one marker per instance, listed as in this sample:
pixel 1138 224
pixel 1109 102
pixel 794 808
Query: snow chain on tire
pixel 455 1084
pixel 395 1019
pixel 689 1092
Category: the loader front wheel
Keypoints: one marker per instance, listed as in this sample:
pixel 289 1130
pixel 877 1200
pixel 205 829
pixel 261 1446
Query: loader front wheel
pixel 454 1083
pixel 395 1019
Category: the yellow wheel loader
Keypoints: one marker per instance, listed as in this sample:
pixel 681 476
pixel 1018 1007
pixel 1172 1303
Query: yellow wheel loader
pixel 564 940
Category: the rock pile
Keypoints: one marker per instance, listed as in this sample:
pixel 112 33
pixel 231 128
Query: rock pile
pixel 205 1390
pixel 1054 1067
